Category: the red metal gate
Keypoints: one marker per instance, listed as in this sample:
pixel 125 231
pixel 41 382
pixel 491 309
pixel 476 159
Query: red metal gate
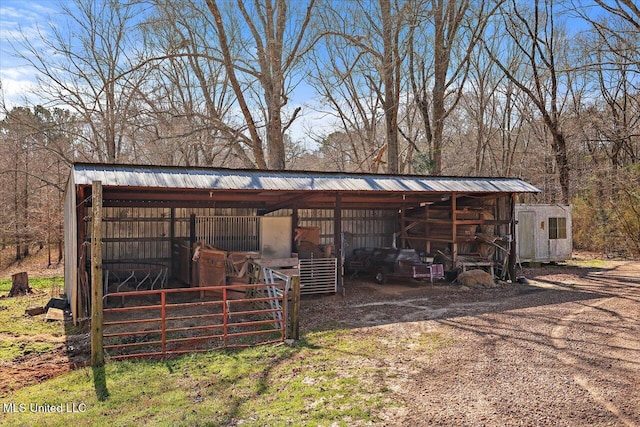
pixel 163 322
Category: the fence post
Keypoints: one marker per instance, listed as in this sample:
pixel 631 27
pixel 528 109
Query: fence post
pixel 295 309
pixel 225 314
pixel 97 352
pixel 163 315
pixel 285 311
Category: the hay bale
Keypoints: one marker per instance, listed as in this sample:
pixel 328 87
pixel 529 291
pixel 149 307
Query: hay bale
pixel 476 279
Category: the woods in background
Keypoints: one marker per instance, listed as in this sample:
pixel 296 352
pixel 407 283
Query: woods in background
pixel 543 90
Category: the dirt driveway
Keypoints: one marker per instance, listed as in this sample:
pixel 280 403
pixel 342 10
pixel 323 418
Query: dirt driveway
pixel 562 351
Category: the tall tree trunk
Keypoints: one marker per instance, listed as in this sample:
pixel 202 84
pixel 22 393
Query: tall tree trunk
pixel 16 210
pixel 559 146
pixel 440 64
pixel 389 102
pixel 25 204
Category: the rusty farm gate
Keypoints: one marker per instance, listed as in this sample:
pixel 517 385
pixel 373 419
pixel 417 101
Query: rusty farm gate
pixel 167 322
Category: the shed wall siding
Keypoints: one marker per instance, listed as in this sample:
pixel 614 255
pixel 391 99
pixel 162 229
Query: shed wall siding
pixel 70 240
pixel 545 249
pixel 144 233
pixel 363 228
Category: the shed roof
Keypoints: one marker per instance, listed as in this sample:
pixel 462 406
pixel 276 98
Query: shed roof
pixel 240 179
pixel 134 182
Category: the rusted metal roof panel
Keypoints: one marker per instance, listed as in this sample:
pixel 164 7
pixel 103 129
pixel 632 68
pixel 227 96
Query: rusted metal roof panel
pixel 233 179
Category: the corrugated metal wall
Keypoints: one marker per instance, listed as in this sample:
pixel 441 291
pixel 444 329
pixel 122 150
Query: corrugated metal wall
pixel 70 241
pixel 145 233
pixel 136 234
pixel 362 227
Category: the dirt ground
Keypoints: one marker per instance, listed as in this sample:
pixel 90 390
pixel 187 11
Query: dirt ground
pixel 68 353
pixel 562 350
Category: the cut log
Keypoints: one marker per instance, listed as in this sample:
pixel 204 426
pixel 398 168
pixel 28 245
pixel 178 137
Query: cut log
pixel 34 311
pixel 20 284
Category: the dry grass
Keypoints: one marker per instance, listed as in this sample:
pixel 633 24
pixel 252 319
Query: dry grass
pixel 36 264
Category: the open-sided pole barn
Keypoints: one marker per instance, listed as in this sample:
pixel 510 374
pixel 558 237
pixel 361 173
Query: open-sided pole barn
pixel 146 207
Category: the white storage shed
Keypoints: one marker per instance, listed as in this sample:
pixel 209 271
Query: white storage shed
pixel 543 232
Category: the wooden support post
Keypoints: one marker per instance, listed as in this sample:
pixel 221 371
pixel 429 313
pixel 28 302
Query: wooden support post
pixel 454 229
pixel 337 240
pixel 295 308
pixel 403 230
pixel 97 353
pixel 172 236
pixel 512 246
pixel 192 241
pixel 295 219
pixel 427 230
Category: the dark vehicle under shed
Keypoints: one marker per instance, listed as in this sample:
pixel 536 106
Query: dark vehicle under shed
pixel 384 263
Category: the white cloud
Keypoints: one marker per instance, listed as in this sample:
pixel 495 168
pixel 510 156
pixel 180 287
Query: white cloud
pixel 21 21
pixel 310 124
pixel 27 11
pixel 18 92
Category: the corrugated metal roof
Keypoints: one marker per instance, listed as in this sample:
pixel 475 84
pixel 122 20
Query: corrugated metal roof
pixel 235 179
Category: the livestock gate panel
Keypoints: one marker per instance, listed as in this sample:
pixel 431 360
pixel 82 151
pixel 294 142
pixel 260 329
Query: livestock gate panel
pixel 182 217
pixel 231 233
pixel 166 322
pixel 318 276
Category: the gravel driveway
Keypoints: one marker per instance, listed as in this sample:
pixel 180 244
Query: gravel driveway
pixel 562 351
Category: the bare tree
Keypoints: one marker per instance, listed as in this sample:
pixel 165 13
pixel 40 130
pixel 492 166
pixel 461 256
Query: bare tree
pixel 612 59
pixel 499 111
pixel 617 27
pixel 443 37
pixel 187 114
pixel 481 105
pixel 31 179
pixel 533 31
pixel 263 42
pixel 360 73
pixel 87 68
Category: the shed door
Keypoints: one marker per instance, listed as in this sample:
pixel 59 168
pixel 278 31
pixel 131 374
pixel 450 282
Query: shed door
pixel 526 237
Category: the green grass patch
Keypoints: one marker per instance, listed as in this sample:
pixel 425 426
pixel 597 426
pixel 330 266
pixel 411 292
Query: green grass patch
pixel 10 349
pixel 20 334
pixel 37 284
pixel 587 263
pixel 339 377
pixel 13 320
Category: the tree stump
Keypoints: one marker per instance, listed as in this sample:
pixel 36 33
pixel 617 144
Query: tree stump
pixel 20 284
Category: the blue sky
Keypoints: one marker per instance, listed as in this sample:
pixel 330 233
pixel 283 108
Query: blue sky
pixel 18 18
pixel 33 18
pixel 28 18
